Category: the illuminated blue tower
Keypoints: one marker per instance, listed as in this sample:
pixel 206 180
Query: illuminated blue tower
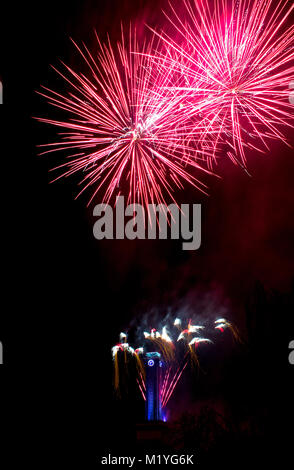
pixel 154 368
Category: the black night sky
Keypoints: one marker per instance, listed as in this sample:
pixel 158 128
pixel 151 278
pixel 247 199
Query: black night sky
pixel 67 296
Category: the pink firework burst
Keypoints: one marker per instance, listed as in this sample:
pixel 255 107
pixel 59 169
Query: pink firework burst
pixel 124 134
pixel 235 59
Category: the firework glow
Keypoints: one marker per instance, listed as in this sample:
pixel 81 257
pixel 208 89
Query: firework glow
pixel 235 63
pixel 176 355
pixel 144 121
pixel 124 133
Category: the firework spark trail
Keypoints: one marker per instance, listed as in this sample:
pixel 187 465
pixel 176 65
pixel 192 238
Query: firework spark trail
pixel 124 133
pixel 188 331
pixel 178 322
pixel 165 381
pixel 236 62
pixel 141 390
pixel 175 383
pixel 221 324
pixel 170 386
pixel 170 383
pixel 143 381
pixel 125 348
pixel 116 372
pixel 195 342
pixel 162 341
pixel 139 363
pixel 198 340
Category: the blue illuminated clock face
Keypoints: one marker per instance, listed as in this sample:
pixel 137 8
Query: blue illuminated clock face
pixel 150 363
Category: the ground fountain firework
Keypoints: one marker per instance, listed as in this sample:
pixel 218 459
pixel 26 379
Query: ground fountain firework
pixel 172 349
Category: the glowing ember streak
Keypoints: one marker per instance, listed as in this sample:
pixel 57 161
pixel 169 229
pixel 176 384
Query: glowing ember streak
pixel 165 336
pixel 198 340
pixel 177 322
pixel 143 381
pixel 163 342
pixel 115 350
pixel 175 383
pixel 221 327
pixel 141 390
pixel 194 328
pixel 191 329
pixel 165 382
pixel 221 324
pixel 170 384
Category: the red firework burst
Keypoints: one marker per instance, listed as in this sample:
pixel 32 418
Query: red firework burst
pixel 235 59
pixel 125 134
